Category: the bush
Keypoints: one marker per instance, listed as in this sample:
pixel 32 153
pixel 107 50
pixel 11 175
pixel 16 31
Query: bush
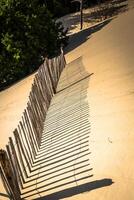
pixel 28 34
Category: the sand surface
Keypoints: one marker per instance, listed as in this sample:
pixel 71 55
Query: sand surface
pixel 12 103
pixel 107 52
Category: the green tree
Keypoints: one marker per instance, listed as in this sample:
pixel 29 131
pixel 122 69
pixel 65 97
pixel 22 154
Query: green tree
pixel 28 34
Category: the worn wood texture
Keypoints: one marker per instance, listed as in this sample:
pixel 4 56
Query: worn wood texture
pixel 18 160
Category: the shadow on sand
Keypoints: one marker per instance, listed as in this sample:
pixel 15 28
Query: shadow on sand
pixel 101 14
pixel 77 39
pixel 3 195
pixel 78 189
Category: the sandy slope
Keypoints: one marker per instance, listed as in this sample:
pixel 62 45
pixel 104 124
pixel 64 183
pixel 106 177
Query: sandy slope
pixel 108 53
pixel 12 103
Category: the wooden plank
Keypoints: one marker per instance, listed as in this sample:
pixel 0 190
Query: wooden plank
pixel 35 145
pixel 34 112
pixel 48 81
pixel 20 158
pixel 51 73
pixel 30 134
pixel 33 104
pixel 24 144
pixel 36 115
pixel 21 149
pixel 58 67
pixel 36 100
pixel 6 184
pixel 54 64
pixel 32 119
pixel 44 89
pixel 44 84
pixel 39 97
pixel 13 153
pixel 14 166
pixel 10 177
pixel 28 138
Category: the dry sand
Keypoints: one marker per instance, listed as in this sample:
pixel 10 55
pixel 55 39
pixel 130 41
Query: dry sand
pixel 13 101
pixel 107 52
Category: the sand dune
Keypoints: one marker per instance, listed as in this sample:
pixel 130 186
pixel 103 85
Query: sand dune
pixel 107 52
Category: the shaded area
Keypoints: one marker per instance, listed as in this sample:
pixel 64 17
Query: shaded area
pixel 78 189
pixel 77 39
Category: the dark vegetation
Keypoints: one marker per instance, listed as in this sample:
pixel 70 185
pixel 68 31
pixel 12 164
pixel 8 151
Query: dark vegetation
pixel 62 7
pixel 29 33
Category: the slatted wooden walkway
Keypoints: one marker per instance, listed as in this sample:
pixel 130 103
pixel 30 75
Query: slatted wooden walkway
pixel 63 159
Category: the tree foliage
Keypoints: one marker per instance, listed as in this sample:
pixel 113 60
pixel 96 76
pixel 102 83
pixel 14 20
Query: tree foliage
pixel 62 7
pixel 28 34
